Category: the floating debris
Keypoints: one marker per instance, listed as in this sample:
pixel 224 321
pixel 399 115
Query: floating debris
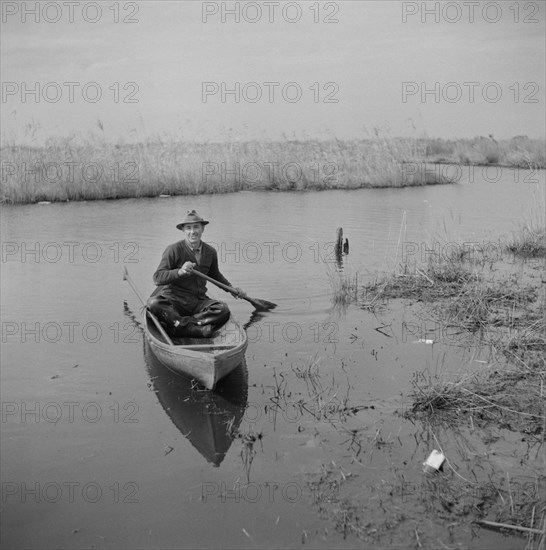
pixel 434 462
pixel 497 525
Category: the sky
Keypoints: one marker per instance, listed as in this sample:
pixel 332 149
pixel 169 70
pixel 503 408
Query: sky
pixel 241 70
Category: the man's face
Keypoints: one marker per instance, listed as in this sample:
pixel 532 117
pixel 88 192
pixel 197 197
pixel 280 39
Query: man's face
pixel 193 232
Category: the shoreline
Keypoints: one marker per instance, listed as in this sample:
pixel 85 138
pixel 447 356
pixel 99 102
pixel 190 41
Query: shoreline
pixel 68 170
pixel 499 407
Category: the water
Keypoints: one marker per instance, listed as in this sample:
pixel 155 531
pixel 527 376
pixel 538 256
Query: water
pixel 102 447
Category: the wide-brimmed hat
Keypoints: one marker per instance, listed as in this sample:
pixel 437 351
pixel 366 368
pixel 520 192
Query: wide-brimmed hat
pixel 191 217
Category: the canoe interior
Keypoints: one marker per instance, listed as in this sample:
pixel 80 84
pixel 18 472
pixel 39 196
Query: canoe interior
pixel 228 336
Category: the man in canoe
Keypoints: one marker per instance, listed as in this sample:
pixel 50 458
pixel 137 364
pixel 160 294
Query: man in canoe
pixel 180 301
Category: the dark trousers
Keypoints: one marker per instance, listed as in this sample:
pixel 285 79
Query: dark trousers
pixel 205 312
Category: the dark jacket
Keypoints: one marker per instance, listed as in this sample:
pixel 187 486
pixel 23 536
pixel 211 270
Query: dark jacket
pixel 186 289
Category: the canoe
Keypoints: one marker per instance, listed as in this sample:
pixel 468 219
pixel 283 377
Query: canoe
pixel 206 360
pixel 209 420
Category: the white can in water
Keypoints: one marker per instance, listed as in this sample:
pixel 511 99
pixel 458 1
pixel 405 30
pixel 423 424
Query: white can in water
pixel 434 462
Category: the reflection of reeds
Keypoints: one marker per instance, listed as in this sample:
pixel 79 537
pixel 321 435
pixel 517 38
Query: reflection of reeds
pixel 248 452
pixel 344 287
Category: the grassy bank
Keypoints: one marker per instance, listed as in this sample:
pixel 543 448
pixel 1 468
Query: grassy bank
pixel 519 151
pixel 503 307
pixel 75 169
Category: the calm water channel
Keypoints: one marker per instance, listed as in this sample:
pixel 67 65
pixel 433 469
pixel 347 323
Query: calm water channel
pixel 103 448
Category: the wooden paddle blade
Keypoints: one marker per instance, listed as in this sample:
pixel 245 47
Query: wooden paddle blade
pixel 262 305
pixel 265 305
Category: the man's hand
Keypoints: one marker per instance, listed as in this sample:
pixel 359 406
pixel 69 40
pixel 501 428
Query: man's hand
pixel 186 269
pixel 239 292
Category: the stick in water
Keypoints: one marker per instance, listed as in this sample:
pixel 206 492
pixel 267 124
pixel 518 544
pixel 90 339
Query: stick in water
pixel 127 278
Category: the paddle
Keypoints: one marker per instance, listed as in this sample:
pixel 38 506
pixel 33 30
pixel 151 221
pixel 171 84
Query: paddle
pixel 127 278
pixel 262 305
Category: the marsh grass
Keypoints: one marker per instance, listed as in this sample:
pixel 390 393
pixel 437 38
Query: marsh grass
pixel 520 151
pixel 509 317
pixel 528 242
pixel 506 313
pixel 458 293
pixel 480 305
pixel 88 168
pixel 529 338
pixel 434 282
pixel 323 398
pixel 513 398
pixel 525 506
pixel 326 488
pixel 519 502
pixel 110 171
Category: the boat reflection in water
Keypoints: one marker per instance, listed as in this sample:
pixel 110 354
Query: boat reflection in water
pixel 208 419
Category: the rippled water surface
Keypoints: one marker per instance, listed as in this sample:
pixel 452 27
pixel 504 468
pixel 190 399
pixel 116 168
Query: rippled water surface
pixel 102 447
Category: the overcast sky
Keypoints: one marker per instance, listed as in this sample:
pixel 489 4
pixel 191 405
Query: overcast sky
pixel 305 69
